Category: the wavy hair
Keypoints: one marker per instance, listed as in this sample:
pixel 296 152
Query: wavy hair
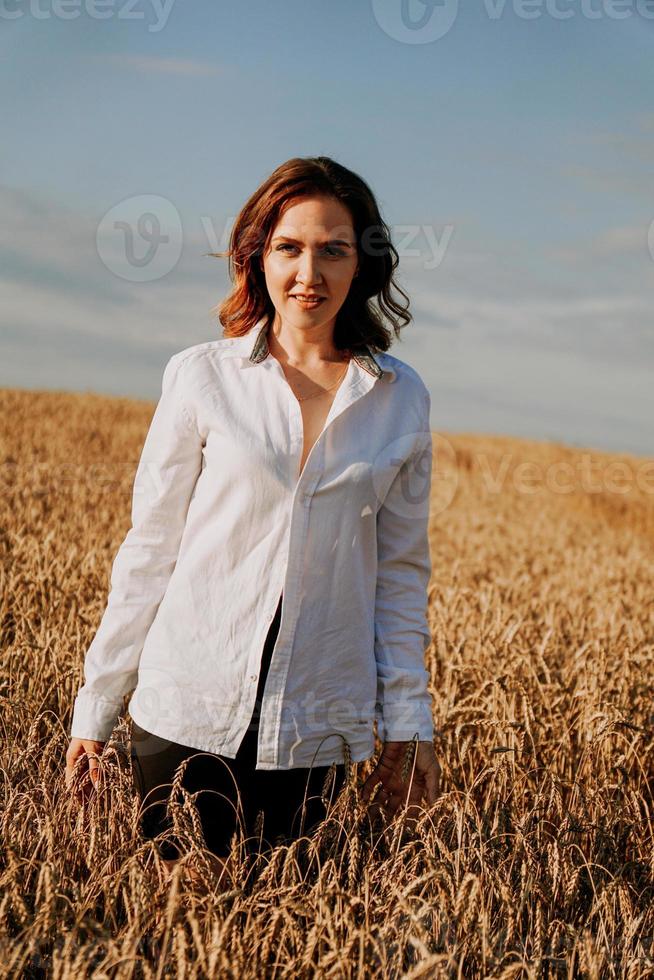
pixel 361 319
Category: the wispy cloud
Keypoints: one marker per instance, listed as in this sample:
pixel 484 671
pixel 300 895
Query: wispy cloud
pixel 500 348
pixel 626 240
pixel 606 180
pixel 614 159
pixel 164 66
pixel 52 279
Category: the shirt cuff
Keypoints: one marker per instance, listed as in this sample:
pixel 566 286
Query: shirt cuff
pixel 399 721
pixel 94 718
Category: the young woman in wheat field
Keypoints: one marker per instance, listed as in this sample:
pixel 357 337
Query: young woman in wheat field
pixel 268 604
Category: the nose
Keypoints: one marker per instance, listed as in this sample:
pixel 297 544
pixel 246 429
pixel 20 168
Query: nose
pixel 308 273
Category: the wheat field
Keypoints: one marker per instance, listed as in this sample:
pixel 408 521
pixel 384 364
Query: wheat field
pixel 537 859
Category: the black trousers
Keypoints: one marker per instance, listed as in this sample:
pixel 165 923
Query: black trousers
pixel 218 782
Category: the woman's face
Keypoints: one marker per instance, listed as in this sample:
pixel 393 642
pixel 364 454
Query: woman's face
pixel 312 252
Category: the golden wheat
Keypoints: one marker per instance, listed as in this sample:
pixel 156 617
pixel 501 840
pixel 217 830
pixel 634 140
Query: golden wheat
pixel 537 859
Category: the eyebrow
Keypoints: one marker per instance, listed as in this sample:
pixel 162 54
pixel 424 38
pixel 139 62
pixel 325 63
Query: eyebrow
pixel 333 241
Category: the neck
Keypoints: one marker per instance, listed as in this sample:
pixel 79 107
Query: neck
pixel 303 346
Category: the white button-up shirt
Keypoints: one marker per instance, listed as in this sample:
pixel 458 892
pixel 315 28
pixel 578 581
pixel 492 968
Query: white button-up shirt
pixel 221 525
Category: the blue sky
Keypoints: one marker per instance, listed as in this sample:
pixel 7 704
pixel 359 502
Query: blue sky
pixel 511 154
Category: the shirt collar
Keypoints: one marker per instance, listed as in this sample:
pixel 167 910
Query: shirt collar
pixel 253 347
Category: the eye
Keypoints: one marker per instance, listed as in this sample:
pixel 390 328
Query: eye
pixel 329 249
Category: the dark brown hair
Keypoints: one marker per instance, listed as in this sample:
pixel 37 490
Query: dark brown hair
pixel 360 320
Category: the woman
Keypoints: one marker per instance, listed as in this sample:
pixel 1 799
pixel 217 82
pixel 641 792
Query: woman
pixel 269 601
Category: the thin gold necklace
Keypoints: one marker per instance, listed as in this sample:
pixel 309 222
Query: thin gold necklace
pixel 303 398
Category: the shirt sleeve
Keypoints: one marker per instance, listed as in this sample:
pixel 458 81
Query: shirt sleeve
pixel 404 704
pixel 168 468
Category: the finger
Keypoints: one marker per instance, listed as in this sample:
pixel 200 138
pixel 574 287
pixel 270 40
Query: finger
pixel 378 801
pixel 73 771
pixel 432 781
pixel 411 789
pixel 71 759
pixel 94 769
pixel 370 786
pixel 381 811
pixel 397 804
pixel 411 822
pixel 365 786
pixel 410 806
pixel 411 799
pixel 391 807
pixel 366 791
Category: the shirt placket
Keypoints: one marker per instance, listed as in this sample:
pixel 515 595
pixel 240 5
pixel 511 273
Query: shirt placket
pixel 269 735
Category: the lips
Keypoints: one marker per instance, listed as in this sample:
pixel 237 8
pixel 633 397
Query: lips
pixel 308 304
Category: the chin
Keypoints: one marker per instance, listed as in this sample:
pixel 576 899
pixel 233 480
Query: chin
pixel 296 313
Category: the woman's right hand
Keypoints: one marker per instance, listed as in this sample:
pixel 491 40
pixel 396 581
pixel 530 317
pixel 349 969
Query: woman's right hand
pixel 87 750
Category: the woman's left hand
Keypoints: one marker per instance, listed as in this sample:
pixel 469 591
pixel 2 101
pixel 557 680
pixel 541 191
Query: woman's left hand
pixel 395 790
